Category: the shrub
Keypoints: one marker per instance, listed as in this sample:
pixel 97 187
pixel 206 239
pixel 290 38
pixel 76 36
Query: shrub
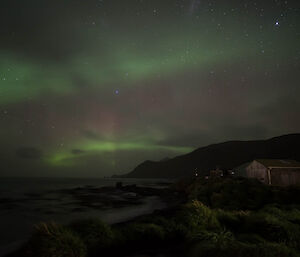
pixel 238 249
pixel 197 217
pixel 52 240
pixel 267 226
pixel 274 229
pixel 178 232
pixel 232 220
pixel 172 230
pixel 250 238
pixel 232 194
pixel 94 233
pixel 241 193
pixel 290 214
pixel 143 232
pixel 284 220
pixel 293 216
pixel 222 238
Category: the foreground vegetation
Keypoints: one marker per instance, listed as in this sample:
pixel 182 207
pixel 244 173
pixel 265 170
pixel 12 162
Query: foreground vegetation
pixel 221 217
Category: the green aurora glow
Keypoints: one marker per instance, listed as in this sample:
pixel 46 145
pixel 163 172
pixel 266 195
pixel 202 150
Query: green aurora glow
pixel 155 78
pixel 67 158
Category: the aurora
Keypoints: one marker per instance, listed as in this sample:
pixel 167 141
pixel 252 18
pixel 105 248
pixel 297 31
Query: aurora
pixel 96 87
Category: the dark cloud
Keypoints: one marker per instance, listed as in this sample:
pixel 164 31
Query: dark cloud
pixel 91 135
pixel 43 29
pixel 29 153
pixel 77 151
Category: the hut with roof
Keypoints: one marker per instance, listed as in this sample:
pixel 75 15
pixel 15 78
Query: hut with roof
pixel 275 172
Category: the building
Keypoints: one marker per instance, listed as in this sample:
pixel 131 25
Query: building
pixel 275 172
pixel 216 173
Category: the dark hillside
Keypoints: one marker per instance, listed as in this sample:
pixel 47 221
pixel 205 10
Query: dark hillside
pixel 226 155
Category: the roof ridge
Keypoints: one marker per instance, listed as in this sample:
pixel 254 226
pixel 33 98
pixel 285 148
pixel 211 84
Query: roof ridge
pixel 279 163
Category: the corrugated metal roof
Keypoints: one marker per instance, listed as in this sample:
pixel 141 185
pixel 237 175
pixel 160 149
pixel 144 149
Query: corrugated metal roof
pixel 279 163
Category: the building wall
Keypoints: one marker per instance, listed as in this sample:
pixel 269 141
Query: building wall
pixel 257 170
pixel 285 177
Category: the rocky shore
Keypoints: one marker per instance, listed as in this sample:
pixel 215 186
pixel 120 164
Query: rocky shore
pixel 118 196
pixel 112 204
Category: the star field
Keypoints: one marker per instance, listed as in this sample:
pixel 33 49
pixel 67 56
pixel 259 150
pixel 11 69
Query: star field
pixel 96 87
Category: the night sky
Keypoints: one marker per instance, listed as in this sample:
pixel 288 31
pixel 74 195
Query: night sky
pixel 93 88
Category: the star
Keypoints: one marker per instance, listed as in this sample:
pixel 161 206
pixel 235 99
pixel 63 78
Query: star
pixel 277 23
pixel 117 91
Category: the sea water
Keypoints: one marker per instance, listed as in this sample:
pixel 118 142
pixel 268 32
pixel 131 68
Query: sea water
pixel 25 202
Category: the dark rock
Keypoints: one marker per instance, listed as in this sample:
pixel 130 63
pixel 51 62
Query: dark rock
pixel 119 185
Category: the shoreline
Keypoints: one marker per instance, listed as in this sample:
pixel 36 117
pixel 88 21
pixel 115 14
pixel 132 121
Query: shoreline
pixel 207 222
pixel 110 204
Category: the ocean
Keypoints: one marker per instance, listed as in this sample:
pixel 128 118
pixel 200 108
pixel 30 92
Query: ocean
pixel 25 202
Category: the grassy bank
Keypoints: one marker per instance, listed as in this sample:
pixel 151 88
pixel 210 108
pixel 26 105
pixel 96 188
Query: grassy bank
pixel 221 217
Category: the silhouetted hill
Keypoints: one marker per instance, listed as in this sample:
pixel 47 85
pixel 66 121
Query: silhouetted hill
pixel 226 155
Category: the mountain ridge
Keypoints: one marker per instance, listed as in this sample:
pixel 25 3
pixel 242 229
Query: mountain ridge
pixel 227 155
